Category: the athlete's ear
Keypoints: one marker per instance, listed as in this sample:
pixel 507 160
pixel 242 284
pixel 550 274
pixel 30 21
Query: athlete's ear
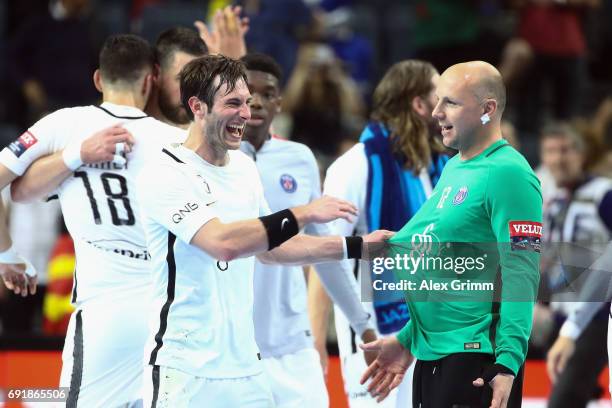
pixel 147 86
pixel 198 107
pixel 97 79
pixel 489 107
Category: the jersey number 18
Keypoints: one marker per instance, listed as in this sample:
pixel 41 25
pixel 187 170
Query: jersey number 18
pixel 112 197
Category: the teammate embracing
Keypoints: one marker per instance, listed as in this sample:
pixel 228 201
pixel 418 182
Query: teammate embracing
pixel 94 177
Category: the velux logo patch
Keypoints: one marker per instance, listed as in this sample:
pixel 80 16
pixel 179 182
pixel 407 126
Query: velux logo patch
pixel 525 235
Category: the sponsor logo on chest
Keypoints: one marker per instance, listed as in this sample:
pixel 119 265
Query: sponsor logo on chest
pixel 180 214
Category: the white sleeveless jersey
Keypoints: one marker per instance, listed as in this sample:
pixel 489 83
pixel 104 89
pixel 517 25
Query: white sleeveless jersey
pixel 98 201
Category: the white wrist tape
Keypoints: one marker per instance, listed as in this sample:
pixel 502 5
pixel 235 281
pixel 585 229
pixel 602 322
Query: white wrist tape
pixel 72 156
pixel 10 256
pixel 119 158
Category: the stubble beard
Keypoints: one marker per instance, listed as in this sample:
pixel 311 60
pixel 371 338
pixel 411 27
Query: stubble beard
pixel 175 114
pixel 214 137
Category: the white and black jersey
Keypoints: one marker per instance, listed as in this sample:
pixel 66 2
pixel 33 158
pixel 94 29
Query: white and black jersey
pixel 201 320
pixel 582 216
pixel 290 177
pixel 98 200
pixel 102 356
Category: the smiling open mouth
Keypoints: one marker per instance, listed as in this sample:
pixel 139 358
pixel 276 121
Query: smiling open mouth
pixel 235 130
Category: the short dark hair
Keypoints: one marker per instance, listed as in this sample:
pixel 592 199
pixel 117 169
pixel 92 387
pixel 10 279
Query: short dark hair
pixel 123 57
pixel 198 78
pixel 264 63
pixel 558 130
pixel 178 39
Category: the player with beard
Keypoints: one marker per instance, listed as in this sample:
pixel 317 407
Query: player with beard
pixel 388 176
pixel 200 200
pixel 94 178
pixel 174 48
pixel 290 177
pixel 177 46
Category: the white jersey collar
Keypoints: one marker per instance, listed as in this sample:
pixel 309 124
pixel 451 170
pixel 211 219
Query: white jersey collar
pixel 122 111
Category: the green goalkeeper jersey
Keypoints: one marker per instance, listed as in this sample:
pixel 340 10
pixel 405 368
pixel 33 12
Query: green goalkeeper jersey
pixel 490 209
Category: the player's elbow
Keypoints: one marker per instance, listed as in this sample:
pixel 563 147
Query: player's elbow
pixel 220 249
pixel 20 193
pixel 224 249
pixel 226 252
pixel 214 239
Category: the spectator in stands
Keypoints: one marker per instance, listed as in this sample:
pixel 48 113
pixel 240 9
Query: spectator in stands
pixel 52 57
pixel 434 40
pixel 554 31
pixel 276 26
pixel 578 211
pixel 601 128
pixel 325 105
pixel 354 50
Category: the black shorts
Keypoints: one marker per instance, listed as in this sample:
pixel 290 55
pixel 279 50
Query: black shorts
pixel 447 383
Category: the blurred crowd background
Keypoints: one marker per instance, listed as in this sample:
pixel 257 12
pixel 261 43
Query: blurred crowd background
pixel 555 56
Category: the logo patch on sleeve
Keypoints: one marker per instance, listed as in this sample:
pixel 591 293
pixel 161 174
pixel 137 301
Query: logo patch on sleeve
pixel 525 235
pixel 23 143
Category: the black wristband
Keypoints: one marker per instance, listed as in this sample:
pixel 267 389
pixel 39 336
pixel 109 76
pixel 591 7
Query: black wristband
pixel 280 227
pixel 495 369
pixel 353 247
